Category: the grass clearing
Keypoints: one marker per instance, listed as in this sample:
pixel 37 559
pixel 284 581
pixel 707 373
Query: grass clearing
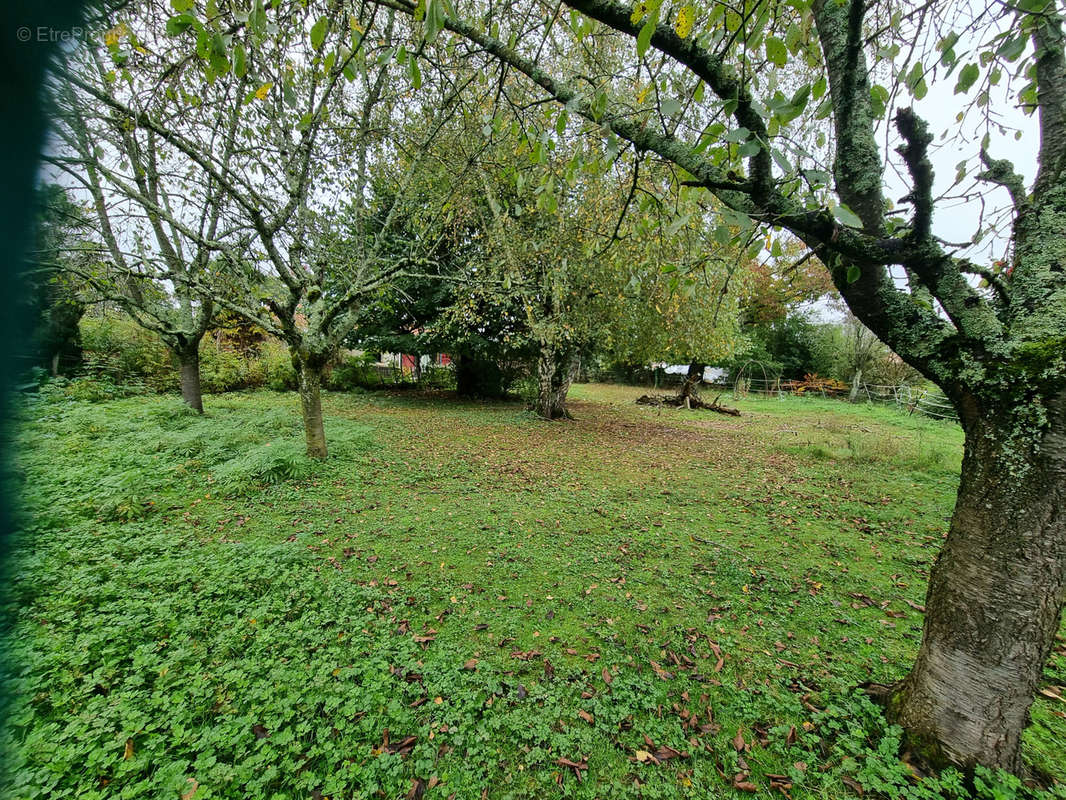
pixel 466 598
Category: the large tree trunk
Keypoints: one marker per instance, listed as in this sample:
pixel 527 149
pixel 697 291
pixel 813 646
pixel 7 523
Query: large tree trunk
pixel 309 374
pixel 188 357
pixel 995 595
pixel 555 372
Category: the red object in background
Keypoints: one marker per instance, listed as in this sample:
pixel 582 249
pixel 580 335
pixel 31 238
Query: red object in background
pixel 407 362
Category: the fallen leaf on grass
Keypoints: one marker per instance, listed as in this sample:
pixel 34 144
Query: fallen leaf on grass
pixel 853 784
pixel 585 716
pixel 128 753
pixel 717 654
pixel 193 786
pixel 470 664
pixel 418 788
pixel 1053 693
pixel 741 782
pixel 662 673
pixel 606 676
pixel 643 756
pixel 665 752
pixel 259 731
pixel 738 740
pixel 525 655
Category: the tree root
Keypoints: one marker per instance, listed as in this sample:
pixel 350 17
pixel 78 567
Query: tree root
pixel 686 401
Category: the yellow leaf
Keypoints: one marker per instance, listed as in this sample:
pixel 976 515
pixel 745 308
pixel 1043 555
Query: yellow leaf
pixel 354 23
pixel 128 754
pixel 686 17
pixel 262 92
pixel 642 756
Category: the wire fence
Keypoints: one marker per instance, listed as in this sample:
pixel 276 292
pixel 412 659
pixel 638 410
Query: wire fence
pixel 909 399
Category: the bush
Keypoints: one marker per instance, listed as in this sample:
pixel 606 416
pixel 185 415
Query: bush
pixel 354 372
pixel 120 351
pixel 276 365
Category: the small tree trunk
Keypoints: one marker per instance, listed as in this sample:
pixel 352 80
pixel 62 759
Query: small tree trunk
pixel 856 381
pixel 995 596
pixel 310 387
pixel 416 368
pixel 55 364
pixel 189 367
pixel 693 379
pixel 555 372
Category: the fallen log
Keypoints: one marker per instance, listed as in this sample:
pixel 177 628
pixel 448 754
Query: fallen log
pixel 686 401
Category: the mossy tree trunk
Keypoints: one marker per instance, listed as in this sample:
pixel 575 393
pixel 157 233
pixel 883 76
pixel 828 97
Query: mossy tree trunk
pixel 555 373
pixel 995 593
pixel 856 384
pixel 310 373
pixel 186 351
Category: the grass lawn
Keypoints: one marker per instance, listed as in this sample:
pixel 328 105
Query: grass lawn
pixel 467 601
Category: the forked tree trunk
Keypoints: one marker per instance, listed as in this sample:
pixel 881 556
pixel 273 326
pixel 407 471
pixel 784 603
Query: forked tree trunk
pixel 310 387
pixel 995 597
pixel 555 373
pixel 188 357
pixel 856 382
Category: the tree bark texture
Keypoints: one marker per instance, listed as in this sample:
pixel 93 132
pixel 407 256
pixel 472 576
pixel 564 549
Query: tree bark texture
pixel 856 383
pixel 310 388
pixel 994 600
pixel 189 368
pixel 555 373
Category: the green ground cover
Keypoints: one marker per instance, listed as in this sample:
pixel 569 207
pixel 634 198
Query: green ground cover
pixel 467 601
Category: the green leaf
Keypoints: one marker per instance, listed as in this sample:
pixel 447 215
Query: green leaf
pixel 854 273
pixel 967 77
pixel 416 74
pixel 669 106
pixel 182 5
pixel 240 61
pixel 644 37
pixel 177 25
pixel 318 33
pixel 847 216
pixel 819 87
pixel 879 97
pixel 776 52
pixel 1012 49
pixel 560 122
pixel 435 18
pixel 257 20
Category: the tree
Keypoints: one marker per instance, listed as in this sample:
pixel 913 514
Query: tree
pixel 861 351
pixel 156 221
pixel 321 100
pixel 683 291
pixel 730 106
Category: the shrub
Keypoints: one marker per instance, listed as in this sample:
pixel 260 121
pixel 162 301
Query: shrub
pixel 276 365
pixel 118 350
